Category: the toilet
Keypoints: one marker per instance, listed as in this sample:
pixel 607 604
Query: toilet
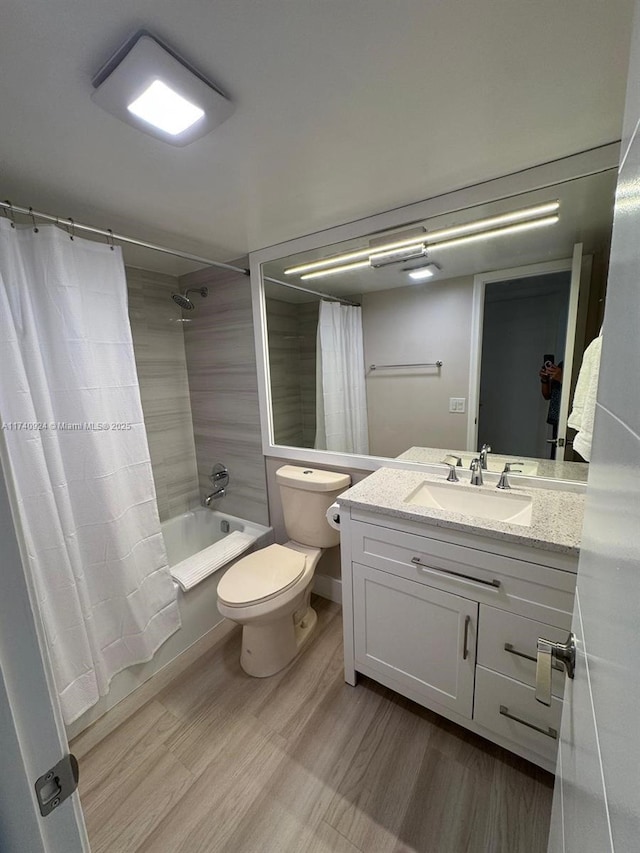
pixel 268 592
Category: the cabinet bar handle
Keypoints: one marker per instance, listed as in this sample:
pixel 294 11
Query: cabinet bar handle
pixel 494 583
pixel 465 649
pixel 552 733
pixel 513 651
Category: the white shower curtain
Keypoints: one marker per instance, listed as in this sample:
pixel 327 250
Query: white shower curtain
pixel 341 401
pixel 77 454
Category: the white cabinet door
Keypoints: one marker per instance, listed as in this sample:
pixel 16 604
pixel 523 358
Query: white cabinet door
pixel 421 638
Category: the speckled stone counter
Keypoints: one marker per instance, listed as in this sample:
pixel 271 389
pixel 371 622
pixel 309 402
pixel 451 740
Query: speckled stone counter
pixel 549 468
pixel 556 523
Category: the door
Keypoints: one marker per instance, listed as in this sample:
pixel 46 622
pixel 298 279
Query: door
pixel 597 796
pixel 32 737
pixel 496 377
pixel 422 638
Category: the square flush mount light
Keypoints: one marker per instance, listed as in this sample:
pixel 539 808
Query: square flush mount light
pixel 424 272
pixel 149 86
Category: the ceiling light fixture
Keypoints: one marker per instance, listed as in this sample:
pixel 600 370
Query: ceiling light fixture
pixel 430 237
pixel 423 273
pixel 148 85
pixel 354 256
pixel 166 109
pixel 396 256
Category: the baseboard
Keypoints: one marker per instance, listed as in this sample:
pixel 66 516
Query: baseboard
pixel 114 717
pixel 328 587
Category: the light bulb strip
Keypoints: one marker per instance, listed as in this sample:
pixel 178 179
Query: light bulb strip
pixel 334 270
pixel 496 232
pixel 429 237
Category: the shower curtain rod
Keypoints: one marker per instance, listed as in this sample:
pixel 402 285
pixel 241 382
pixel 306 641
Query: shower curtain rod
pixel 71 226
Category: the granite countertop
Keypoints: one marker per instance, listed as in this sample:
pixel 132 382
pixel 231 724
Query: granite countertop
pixel 556 523
pixel 549 468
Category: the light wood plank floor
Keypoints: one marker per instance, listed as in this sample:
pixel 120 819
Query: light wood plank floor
pixel 303 762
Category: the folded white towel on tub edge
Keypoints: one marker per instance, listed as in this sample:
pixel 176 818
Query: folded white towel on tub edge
pixel 197 567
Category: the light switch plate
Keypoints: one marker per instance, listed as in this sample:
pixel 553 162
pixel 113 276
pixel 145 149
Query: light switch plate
pixel 457 405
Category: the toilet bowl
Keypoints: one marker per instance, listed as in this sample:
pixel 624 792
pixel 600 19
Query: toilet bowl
pixel 268 592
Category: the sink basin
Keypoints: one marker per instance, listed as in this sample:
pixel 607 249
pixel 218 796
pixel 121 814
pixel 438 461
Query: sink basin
pixel 471 500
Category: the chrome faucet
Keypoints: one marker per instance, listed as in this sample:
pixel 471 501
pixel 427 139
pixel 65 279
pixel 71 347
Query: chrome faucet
pixel 219 493
pixel 476 472
pixel 486 449
pixel 503 482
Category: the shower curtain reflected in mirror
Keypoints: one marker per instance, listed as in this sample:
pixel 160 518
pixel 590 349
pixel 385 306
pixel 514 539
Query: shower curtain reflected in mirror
pixel 75 448
pixel 341 401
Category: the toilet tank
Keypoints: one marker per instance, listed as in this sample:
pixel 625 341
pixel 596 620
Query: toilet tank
pixel 307 494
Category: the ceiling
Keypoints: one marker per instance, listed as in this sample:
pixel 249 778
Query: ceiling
pixel 344 108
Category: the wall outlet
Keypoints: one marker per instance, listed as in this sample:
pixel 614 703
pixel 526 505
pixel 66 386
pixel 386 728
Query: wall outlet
pixel 457 405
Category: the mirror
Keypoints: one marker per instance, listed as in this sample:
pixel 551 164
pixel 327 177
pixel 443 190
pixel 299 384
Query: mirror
pixel 451 358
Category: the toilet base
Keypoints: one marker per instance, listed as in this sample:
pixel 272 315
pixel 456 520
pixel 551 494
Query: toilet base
pixel 267 647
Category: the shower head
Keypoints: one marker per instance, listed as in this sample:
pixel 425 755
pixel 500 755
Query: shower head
pixel 182 299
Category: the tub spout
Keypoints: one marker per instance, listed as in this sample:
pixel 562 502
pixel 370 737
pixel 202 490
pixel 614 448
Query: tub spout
pixel 219 493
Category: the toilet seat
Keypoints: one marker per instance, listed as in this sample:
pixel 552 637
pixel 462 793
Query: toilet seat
pixel 261 576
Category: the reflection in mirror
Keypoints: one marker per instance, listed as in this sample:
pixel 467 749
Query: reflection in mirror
pixel 447 334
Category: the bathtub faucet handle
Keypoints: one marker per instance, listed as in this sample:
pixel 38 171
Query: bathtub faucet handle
pixel 220 475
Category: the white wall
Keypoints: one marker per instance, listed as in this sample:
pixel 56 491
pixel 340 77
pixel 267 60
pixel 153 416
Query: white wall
pixel 599 810
pixel 421 323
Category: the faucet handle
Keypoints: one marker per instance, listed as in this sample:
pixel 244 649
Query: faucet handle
pixel 503 482
pixel 452 477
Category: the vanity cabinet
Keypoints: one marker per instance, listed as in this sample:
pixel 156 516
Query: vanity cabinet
pixel 451 620
pixel 421 637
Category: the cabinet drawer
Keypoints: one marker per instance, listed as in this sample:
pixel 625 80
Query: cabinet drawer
pixel 498 699
pixel 422 638
pixel 507 643
pixel 530 589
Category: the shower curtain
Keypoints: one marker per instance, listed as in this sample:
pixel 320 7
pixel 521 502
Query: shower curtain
pixel 341 402
pixel 76 452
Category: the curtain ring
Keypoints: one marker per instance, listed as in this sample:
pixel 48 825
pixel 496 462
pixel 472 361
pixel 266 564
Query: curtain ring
pixel 110 243
pixel 71 228
pixel 9 213
pixel 33 221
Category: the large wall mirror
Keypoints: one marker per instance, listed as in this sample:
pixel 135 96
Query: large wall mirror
pixel 427 339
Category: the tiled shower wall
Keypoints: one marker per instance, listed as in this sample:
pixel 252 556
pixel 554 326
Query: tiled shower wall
pixel 158 342
pixel 292 330
pixel 221 364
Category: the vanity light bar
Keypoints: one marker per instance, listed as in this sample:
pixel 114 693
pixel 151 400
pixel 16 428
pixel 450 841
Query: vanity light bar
pixel 429 237
pixel 354 256
pixel 334 270
pixel 497 232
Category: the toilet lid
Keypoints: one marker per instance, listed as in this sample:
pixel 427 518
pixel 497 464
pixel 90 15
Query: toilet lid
pixel 261 576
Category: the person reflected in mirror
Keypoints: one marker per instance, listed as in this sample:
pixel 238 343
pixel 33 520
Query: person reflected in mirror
pixel 551 387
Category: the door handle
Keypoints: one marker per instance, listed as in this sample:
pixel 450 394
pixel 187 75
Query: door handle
pixel 548 652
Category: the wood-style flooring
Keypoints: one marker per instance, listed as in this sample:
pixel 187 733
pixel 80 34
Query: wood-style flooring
pixel 302 762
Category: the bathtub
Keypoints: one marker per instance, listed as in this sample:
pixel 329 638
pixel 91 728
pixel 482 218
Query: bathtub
pixel 193 531
pixel 202 624
pixel 185 535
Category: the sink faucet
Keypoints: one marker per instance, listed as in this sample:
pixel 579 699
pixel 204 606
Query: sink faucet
pixel 476 472
pixel 503 482
pixel 486 449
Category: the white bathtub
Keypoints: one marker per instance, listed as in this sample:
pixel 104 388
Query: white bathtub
pixel 184 535
pixel 194 531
